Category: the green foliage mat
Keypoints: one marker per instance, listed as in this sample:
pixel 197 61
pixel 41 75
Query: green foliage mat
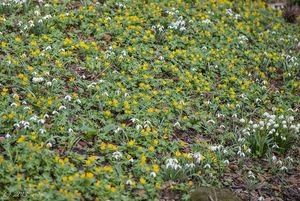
pixel 144 100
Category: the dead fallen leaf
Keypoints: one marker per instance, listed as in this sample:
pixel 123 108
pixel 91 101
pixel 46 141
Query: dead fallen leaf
pixel 107 37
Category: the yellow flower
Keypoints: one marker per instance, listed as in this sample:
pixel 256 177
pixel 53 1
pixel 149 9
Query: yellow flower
pixel 131 143
pixel 89 175
pixel 107 113
pixel 97 184
pixel 150 110
pixel 64 178
pixel 155 168
pixel 142 181
pixel 21 139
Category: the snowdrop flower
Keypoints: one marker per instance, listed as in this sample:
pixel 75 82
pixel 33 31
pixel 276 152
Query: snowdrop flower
pixel 117 155
pixel 134 120
pixel 153 174
pixel 7 136
pixel 25 124
pixel 251 175
pixel 14 104
pixel 54 112
pixel 92 85
pixel 129 182
pixel 70 130
pixel 147 122
pixel 42 131
pixel 68 98
pixel 191 165
pixel 49 144
pixel 211 121
pixel 261 198
pixel 283 168
pixel 37 79
pixel 241 140
pixel 78 101
pixel 138 127
pixel 118 129
pixel 279 162
pixel 177 124
pixel 198 157
pixel 290 119
pixel 261 123
pixel 173 164
pixel 226 162
pixel 46 116
pixel 214 148
pixel 241 154
pixel 62 108
pixel 42 121
pixel 207 166
pixel 242 120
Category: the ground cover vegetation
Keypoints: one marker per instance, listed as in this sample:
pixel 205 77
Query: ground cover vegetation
pixel 147 100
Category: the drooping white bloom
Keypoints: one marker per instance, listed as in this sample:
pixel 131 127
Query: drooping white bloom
pixel 117 155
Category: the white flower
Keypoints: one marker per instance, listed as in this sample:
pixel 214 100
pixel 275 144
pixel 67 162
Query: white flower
pixel 261 198
pixel 198 157
pixel 242 120
pixel 129 182
pixel 251 175
pixel 68 98
pixel 62 108
pixel 42 121
pixel 173 164
pixel 134 120
pixel 177 124
pixel 49 144
pixel 214 148
pixel 7 136
pixel 153 174
pixel 37 79
pixel 191 165
pixel 117 155
pixel 211 121
pixel 117 129
pixel 138 127
pixel 207 166
pixel 283 168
